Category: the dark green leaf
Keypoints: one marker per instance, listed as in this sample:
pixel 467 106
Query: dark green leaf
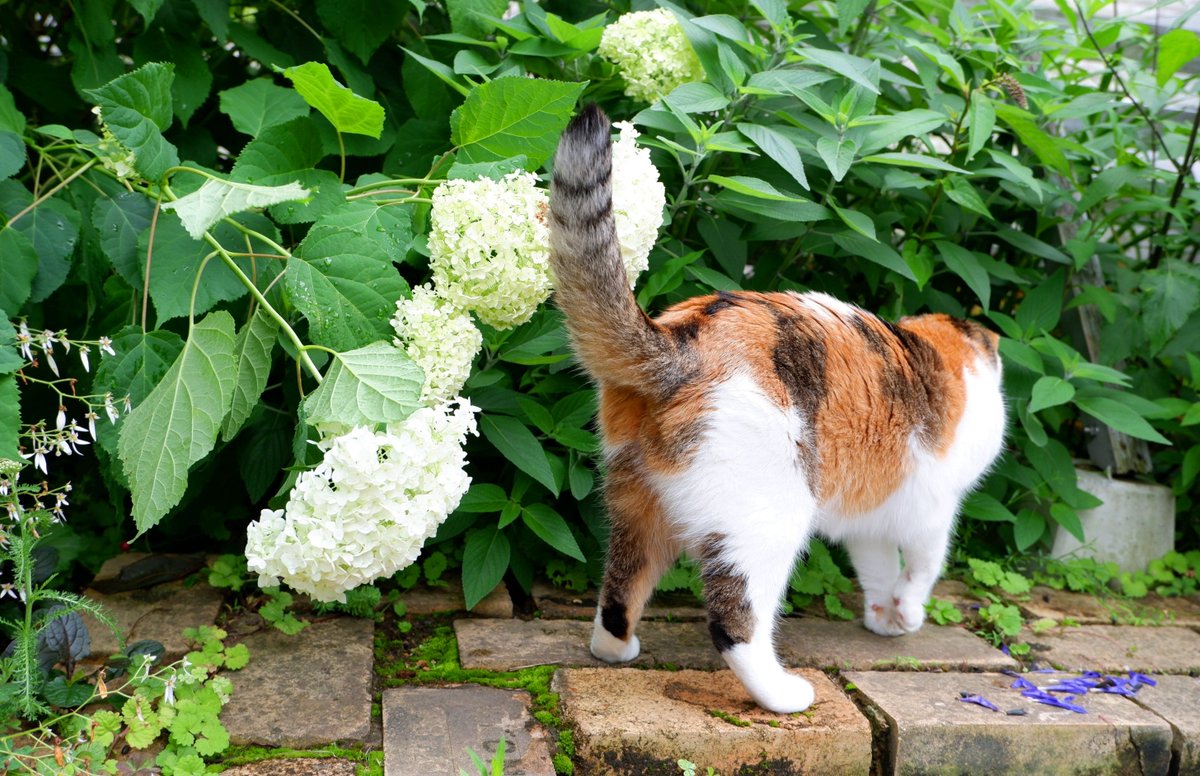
pixel 1050 391
pixel 18 267
pixel 883 255
pixel 120 220
pixel 12 154
pixel 483 497
pixel 1119 417
pixel 137 107
pixel 253 348
pixel 549 526
pixel 516 443
pixel 485 559
pixel 259 104
pixel 963 263
pixel 361 25
pixel 511 116
pixel 10 417
pixel 981 506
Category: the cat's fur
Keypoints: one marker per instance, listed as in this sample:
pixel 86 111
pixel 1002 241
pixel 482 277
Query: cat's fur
pixel 737 425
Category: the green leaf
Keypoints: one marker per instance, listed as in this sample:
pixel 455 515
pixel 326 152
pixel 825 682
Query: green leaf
pixel 141 360
pixel 137 107
pixel 1068 518
pixel 777 146
pixel 469 17
pixel 983 123
pixel 859 222
pixel 1050 391
pixel 881 254
pixel 549 526
pixel 11 119
pixel 981 506
pixel 253 349
pixel 1041 308
pixel 361 25
pixel 18 267
pixel 12 154
pixel 10 418
pixel 215 14
pixel 516 443
pixel 850 13
pixel 1028 529
pixel 753 187
pixel 963 263
pixel 1119 417
pixel 511 116
pixel 53 229
pixel 1175 49
pixel 259 104
pixel 837 155
pixel 861 71
pixel 1044 147
pixel 10 361
pixel 217 199
pixel 287 153
pixel 1172 298
pixel 963 193
pixel 920 161
pixel 697 97
pixel 346 111
pixel 176 426
pixel 119 221
pixel 483 497
pixel 147 8
pixel 378 383
pixel 344 283
pixel 390 223
pixel 485 559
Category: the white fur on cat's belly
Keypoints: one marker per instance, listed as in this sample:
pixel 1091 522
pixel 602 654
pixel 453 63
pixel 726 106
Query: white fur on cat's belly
pixel 611 649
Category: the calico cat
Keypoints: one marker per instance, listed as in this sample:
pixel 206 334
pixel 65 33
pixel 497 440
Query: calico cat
pixel 737 425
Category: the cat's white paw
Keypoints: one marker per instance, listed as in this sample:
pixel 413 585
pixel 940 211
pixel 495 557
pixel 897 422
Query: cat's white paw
pixel 785 694
pixel 611 649
pixel 895 617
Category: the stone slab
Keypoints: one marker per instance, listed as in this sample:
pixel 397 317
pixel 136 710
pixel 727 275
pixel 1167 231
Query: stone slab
pixel 850 646
pixel 1091 610
pixel 427 730
pixel 160 613
pixel 294 767
pixel 305 690
pixel 929 730
pixel 555 602
pixel 637 722
pixel 449 598
pixel 1177 700
pixel 1117 648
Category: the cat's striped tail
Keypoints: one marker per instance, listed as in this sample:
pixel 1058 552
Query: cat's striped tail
pixel 615 341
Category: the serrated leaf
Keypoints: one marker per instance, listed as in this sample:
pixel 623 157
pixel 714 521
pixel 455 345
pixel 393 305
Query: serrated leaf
pixel 777 146
pixel 511 116
pixel 373 384
pixel 176 426
pixel 518 444
pixel 470 17
pixel 18 267
pixel 838 155
pixel 346 111
pixel 849 13
pixel 215 14
pixel 142 359
pixel 217 199
pixel 485 559
pixel 1175 49
pixel 348 21
pixel 10 418
pixel 964 263
pixel 10 361
pixel 391 222
pixel 259 104
pixel 344 283
pixel 12 154
pixel 1172 298
pixel 1119 417
pixel 119 221
pixel 550 527
pixel 52 228
pixel 137 107
pixel 1050 391
pixel 253 349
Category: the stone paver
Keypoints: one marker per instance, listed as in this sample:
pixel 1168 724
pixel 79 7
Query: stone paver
pixel 160 613
pixel 304 690
pixel 1090 610
pixel 427 731
pixel 555 602
pixel 449 598
pixel 636 722
pixel 931 731
pixel 1177 700
pixel 294 767
pixel 1117 648
pixel 850 646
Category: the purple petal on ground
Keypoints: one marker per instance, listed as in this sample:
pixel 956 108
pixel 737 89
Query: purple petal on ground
pixel 1142 679
pixel 979 700
pixel 1020 683
pixel 1045 671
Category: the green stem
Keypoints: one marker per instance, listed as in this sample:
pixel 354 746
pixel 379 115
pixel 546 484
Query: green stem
pixel 342 153
pixel 57 188
pixel 196 288
pixel 386 184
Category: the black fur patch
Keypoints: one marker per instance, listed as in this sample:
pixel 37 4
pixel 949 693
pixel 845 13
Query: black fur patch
pixel 685 332
pixel 720 637
pixel 614 619
pixel 799 359
pixel 724 299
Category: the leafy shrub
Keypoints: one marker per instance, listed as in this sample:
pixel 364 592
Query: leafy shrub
pixel 241 226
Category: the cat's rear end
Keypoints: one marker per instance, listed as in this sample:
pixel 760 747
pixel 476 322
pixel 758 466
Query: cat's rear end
pixel 737 425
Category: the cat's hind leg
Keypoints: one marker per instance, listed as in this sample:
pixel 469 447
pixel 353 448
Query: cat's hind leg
pixel 640 548
pixel 877 564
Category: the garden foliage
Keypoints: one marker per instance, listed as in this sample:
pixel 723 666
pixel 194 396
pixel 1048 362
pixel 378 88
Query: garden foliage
pixel 239 195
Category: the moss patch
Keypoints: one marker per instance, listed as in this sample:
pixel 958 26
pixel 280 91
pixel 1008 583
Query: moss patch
pixel 369 763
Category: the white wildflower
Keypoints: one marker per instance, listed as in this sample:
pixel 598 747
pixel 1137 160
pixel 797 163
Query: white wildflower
pixel 440 338
pixel 24 341
pixel 489 247
pixel 366 510
pixel 83 357
pixel 106 346
pixel 638 199
pixel 652 52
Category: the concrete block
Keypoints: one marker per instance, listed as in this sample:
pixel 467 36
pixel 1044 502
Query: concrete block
pixel 1135 525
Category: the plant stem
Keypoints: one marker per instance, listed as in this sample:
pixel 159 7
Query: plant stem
pixel 57 188
pixel 1156 253
pixel 149 254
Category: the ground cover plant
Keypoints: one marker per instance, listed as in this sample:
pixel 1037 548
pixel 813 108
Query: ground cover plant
pixel 251 252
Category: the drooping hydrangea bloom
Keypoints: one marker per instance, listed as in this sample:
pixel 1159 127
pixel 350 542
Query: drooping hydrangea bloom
pixel 366 510
pixel 440 338
pixel 638 199
pixel 489 247
pixel 652 52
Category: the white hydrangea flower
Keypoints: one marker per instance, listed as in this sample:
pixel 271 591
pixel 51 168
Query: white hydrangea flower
pixel 440 338
pixel 652 52
pixel 489 247
pixel 366 510
pixel 638 200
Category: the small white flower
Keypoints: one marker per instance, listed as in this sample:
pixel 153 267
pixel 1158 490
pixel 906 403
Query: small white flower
pixel 109 409
pixel 652 52
pixel 105 345
pixel 92 417
pixel 24 341
pixel 169 691
pixel 83 357
pixel 60 420
pixel 50 362
pixel 7 590
pixel 440 339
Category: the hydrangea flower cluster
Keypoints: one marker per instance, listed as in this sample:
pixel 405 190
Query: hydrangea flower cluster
pixel 652 52
pixel 489 247
pixel 366 510
pixel 638 199
pixel 439 338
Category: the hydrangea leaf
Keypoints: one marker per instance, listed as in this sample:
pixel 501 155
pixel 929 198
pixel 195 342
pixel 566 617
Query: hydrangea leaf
pixel 53 229
pixel 137 107
pixel 344 283
pixel 390 222
pixel 175 261
pixel 485 559
pixel 217 199
pixel 260 104
pixel 510 116
pixel 288 153
pixel 119 221
pixel 10 361
pixel 255 342
pixel 12 154
pixel 18 266
pixel 344 18
pixel 177 424
pixel 374 384
pixel 470 17
pixel 346 111
pixel 10 417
